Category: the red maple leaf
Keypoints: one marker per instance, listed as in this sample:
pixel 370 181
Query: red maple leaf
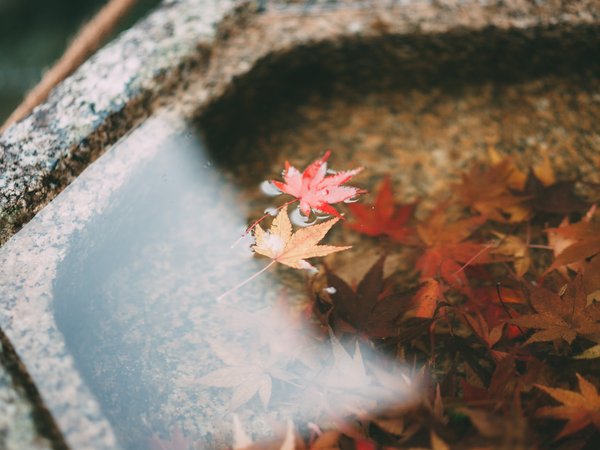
pixel 315 189
pixel 491 303
pixel 383 217
pixel 447 252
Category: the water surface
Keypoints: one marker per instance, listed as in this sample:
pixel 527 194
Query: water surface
pixel 136 298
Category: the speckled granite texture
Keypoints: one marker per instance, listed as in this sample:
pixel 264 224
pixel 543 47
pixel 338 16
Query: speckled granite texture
pixel 100 102
pixel 16 422
pixel 211 60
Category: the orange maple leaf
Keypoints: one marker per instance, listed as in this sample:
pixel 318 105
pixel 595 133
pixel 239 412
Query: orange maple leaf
pixel 580 409
pixel 427 298
pixel 487 191
pixel 562 317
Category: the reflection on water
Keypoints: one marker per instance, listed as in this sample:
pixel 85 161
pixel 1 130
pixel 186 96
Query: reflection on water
pixel 136 300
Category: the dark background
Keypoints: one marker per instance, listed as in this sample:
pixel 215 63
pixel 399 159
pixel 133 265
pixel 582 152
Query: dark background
pixel 34 34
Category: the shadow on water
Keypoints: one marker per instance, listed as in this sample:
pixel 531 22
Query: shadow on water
pixel 136 301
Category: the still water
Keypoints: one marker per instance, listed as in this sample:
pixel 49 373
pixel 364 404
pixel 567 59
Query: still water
pixel 136 298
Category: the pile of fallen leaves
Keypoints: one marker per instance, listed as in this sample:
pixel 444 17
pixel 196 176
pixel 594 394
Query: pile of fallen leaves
pixel 498 323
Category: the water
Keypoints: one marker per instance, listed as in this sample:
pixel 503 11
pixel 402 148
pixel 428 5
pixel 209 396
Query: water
pixel 136 298
pixel 136 295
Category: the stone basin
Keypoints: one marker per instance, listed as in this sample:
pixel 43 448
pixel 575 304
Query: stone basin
pixel 109 293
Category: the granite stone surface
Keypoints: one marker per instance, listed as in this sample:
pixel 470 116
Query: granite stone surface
pixel 285 77
pixel 17 423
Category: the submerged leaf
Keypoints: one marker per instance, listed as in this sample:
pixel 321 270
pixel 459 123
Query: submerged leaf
pixel 563 317
pixel 580 409
pixel 487 191
pixel 447 252
pixel 384 217
pixel 368 309
pixel 580 240
pixel 558 198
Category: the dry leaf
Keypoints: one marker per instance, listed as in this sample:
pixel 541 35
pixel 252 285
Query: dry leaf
pixel 292 249
pixel 368 309
pixel 580 409
pixel 487 191
pixel 563 317
pixel 515 248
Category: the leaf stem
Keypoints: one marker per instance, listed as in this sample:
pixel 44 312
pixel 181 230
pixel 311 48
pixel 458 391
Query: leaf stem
pixel 506 310
pixel 544 247
pixel 477 255
pixel 247 280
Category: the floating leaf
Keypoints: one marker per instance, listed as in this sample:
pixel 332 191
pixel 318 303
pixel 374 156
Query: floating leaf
pixel 314 189
pixel 563 317
pixel 293 248
pixel 591 353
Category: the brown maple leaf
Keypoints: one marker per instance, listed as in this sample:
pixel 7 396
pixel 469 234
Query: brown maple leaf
pixel 368 309
pixel 488 333
pixel 503 386
pixel 447 252
pixel 487 191
pixel 579 409
pixel 591 279
pixel 515 248
pixel 558 198
pixel 384 217
pixel 580 241
pixel 561 317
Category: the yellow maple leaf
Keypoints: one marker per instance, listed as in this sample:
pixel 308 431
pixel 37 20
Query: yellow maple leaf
pixel 580 409
pixel 292 249
pixel 284 246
